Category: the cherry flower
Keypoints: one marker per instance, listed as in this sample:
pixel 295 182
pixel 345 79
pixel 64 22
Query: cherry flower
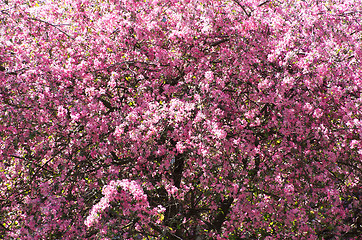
pixel 62 112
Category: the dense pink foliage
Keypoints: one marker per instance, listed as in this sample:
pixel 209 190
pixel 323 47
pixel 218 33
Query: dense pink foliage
pixel 180 119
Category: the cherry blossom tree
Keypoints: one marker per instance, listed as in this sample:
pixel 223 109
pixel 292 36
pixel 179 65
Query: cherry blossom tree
pixel 182 119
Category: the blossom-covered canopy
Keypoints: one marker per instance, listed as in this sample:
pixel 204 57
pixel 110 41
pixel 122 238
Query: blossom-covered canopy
pixel 180 119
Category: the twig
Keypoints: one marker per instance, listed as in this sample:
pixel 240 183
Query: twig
pixel 55 26
pixel 237 2
pixel 263 3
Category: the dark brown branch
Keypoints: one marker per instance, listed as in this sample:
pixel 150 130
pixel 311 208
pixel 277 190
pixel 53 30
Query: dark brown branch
pixel 162 231
pixel 39 20
pixel 242 7
pixel 223 211
pixel 178 170
pixel 107 104
pixel 219 42
pixel 263 3
pixel 118 161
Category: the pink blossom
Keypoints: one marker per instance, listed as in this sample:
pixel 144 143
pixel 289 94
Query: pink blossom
pixel 318 113
pixel 62 112
pixel 119 130
pixel 180 147
pixel 354 144
pixel 209 75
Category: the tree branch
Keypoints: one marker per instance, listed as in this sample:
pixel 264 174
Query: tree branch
pixel 242 7
pixel 39 20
